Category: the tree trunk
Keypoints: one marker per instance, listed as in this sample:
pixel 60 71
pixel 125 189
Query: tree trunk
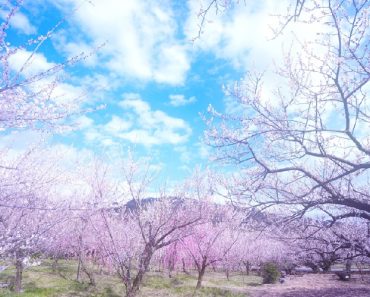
pixel 247 267
pixel 171 266
pixel 200 276
pixel 359 267
pixel 79 258
pixel 349 265
pixel 326 266
pixel 131 292
pixel 214 267
pixel 90 274
pixel 143 268
pixel 18 273
pixel 170 270
pixel 134 288
pixel 78 268
pixel 184 267
pixel 313 266
pixel 54 265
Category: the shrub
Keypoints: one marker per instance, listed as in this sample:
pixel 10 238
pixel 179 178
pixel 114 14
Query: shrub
pixel 270 273
pixel 343 275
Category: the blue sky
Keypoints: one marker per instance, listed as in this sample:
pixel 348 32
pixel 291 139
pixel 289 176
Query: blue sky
pixel 153 79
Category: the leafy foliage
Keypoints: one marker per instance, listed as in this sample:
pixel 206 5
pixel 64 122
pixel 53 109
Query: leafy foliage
pixel 270 273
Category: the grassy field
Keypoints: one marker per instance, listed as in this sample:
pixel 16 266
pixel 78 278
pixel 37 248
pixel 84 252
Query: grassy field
pixel 41 281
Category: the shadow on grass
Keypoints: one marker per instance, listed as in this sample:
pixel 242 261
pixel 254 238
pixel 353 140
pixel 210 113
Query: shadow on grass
pixel 254 284
pixel 108 292
pixel 205 292
pixel 331 292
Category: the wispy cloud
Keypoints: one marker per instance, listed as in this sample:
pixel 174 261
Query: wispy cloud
pixel 180 100
pixel 138 123
pixel 140 36
pixel 20 22
pixel 117 125
pixel 153 127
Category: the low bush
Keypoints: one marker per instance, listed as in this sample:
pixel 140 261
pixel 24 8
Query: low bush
pixel 270 273
pixel 343 275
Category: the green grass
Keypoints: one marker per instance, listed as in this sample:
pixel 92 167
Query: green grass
pixel 41 281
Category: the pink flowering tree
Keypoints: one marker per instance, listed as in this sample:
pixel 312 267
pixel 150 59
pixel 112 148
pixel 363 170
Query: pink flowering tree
pixel 319 245
pixel 130 234
pixel 211 241
pixel 131 237
pixel 31 93
pixel 303 145
pixel 254 249
pixel 75 238
pixel 26 206
pixel 31 96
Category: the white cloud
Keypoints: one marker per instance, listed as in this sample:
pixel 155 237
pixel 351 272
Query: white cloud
pixel 203 151
pixel 30 63
pixel 180 100
pixel 239 35
pixel 116 124
pixel 92 135
pixel 141 38
pixel 21 140
pixel 20 22
pixel 172 65
pixel 152 127
pixel 133 101
pixel 84 122
pixel 140 124
pixel 232 105
pixel 76 48
pixel 185 155
pixel 108 142
pixel 243 34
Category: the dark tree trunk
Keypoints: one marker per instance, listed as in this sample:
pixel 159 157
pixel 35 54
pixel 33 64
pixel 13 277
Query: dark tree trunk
pixel 134 288
pixel 201 272
pixel 54 265
pixel 90 274
pixel 349 266
pixel 79 258
pixel 313 266
pixel 143 268
pixel 171 268
pixel 18 273
pixel 326 266
pixel 214 267
pixel 78 274
pixel 184 267
pixel 247 267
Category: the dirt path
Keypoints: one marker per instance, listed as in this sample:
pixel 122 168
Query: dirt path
pixel 311 285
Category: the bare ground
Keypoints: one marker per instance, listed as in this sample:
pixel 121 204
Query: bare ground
pixel 315 285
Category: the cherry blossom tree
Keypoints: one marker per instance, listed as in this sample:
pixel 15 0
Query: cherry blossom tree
pixel 294 10
pixel 31 93
pixel 255 248
pixel 303 146
pixel 131 234
pixel 31 96
pixel 25 204
pixel 211 241
pixel 170 257
pixel 319 245
pixel 75 239
pixel 130 238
